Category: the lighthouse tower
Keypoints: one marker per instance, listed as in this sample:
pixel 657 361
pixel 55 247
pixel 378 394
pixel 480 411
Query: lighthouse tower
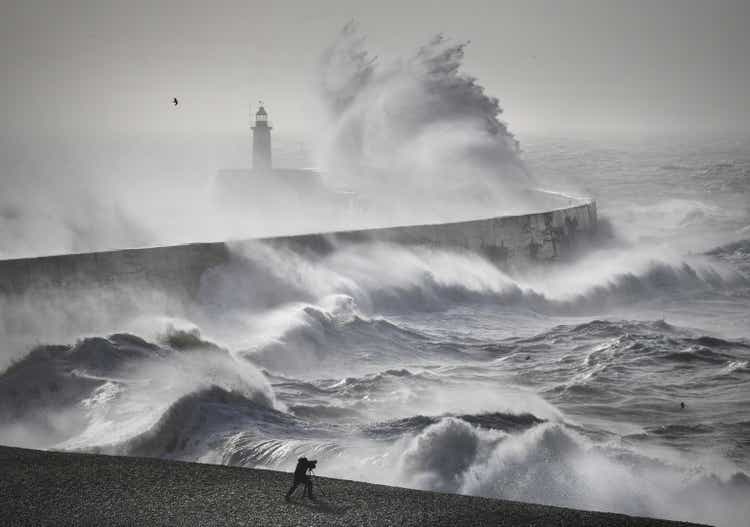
pixel 261 141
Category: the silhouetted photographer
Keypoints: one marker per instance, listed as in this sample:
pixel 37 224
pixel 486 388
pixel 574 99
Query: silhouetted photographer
pixel 301 476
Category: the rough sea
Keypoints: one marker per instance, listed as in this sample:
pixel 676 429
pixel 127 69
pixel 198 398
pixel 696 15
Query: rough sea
pixel 432 368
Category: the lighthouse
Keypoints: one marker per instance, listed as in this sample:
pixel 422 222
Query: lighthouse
pixel 261 141
pixel 263 184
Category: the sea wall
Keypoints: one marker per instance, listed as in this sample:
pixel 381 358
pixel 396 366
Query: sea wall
pixel 510 241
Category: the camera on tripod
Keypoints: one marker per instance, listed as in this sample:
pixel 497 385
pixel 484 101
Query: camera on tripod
pixel 311 464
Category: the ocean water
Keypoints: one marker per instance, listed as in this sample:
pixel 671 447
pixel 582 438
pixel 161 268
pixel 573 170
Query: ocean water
pixel 432 368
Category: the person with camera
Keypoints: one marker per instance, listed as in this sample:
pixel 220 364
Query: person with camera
pixel 300 476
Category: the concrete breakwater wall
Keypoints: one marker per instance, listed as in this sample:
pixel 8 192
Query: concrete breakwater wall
pixel 510 241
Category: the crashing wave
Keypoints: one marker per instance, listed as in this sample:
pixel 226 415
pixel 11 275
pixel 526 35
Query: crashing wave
pixel 108 390
pixel 550 463
pixel 191 426
pixel 444 119
pixel 505 422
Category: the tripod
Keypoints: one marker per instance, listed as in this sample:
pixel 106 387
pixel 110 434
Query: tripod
pixel 313 479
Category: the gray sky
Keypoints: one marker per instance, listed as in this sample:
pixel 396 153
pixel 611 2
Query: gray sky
pixel 100 66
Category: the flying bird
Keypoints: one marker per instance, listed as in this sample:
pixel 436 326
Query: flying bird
pixel 175 101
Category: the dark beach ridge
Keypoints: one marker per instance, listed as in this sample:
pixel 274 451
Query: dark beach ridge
pixel 55 488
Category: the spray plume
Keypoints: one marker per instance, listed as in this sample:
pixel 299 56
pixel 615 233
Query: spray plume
pixel 414 127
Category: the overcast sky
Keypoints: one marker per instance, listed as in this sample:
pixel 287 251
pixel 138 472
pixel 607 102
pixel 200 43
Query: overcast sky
pixel 100 66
